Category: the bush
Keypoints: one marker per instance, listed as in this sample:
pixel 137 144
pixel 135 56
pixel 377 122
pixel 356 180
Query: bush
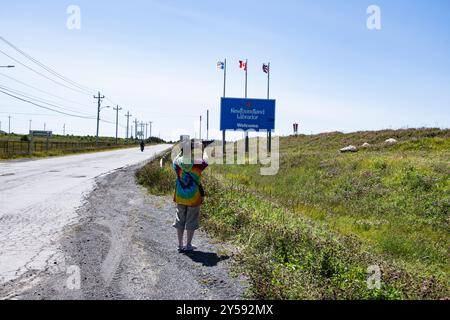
pixel 159 181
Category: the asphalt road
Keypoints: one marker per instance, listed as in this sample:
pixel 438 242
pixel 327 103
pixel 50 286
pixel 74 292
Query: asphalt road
pixel 39 198
pixel 80 227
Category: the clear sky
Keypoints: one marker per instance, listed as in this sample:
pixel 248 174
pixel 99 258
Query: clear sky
pixel 158 60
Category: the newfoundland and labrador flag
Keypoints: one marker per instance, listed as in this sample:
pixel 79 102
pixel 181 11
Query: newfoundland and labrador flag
pixel 221 65
pixel 266 68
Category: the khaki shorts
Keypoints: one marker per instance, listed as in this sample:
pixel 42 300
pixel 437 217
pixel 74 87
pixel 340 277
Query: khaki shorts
pixel 188 218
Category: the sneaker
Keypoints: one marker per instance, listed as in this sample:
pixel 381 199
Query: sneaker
pixel 189 248
pixel 181 249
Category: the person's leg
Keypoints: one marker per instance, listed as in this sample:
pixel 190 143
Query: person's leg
pixel 180 233
pixel 180 224
pixel 190 236
pixel 192 224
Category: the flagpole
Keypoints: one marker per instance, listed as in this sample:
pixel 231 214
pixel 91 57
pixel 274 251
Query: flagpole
pixel 269 138
pixel 246 72
pixel 225 78
pixel 224 95
pixel 268 82
pixel 247 147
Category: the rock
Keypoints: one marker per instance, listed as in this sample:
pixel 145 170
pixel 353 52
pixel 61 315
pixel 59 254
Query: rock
pixel 391 141
pixel 349 149
pixel 366 145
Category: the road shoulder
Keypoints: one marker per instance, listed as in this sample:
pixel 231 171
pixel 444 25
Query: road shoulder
pixel 124 247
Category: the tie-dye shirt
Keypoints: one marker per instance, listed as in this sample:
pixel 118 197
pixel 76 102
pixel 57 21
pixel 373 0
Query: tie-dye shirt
pixel 187 191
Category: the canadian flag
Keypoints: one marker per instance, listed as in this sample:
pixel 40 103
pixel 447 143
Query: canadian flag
pixel 242 65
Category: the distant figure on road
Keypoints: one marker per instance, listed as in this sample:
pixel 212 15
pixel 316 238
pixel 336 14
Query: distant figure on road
pixel 189 196
pixel 142 145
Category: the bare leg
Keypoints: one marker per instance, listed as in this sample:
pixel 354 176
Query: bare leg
pixel 190 236
pixel 180 233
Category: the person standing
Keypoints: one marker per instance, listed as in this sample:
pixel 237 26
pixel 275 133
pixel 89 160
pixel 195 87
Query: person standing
pixel 188 196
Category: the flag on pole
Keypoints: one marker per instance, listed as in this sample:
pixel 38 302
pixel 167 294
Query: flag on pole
pixel 220 65
pixel 242 65
pixel 266 68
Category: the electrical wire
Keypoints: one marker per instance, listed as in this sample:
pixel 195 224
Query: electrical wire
pixel 74 86
pixel 45 92
pixel 42 75
pixel 47 102
pixel 43 107
pixel 48 69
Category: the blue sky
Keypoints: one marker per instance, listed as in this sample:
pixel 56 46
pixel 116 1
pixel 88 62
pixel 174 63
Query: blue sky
pixel 158 60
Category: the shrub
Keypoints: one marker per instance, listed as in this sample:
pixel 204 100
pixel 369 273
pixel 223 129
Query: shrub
pixel 159 181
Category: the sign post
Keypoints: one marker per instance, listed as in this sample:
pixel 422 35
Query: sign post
pixel 38 133
pixel 247 114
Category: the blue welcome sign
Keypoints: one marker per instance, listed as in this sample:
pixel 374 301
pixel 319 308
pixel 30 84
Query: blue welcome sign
pixel 247 114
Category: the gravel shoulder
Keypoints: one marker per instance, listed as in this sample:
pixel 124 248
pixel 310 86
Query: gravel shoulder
pixel 124 247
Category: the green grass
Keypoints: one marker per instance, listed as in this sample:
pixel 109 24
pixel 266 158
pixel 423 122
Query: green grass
pixel 159 181
pixel 312 230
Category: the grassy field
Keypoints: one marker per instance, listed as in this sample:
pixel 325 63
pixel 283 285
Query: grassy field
pixel 312 231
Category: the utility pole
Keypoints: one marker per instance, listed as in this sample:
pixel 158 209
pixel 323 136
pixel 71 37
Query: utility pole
pixel 29 129
pixel 99 103
pixel 200 137
pixel 135 128
pixel 207 124
pixel 142 130
pixel 45 126
pixel 128 115
pixel 146 131
pixel 117 109
pixel 150 123
pixel 64 129
pixel 9 124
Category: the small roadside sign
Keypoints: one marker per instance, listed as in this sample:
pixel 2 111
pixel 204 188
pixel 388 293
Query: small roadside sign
pixel 37 133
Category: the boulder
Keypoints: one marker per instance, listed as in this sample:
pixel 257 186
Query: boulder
pixel 349 149
pixel 391 141
pixel 366 145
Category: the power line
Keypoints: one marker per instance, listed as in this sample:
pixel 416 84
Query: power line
pixel 48 102
pixel 49 115
pixel 32 114
pixel 43 91
pixel 44 101
pixel 43 107
pixel 86 89
pixel 74 86
pixel 41 74
pixel 48 69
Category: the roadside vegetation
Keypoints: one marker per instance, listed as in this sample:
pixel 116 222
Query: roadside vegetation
pixel 312 231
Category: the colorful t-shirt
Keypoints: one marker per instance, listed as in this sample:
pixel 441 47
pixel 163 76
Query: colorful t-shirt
pixel 187 190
